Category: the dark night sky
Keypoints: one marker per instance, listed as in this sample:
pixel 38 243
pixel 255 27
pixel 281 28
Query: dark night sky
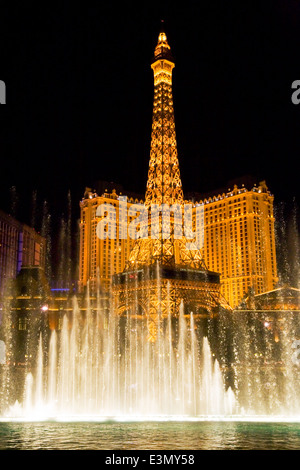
pixel 80 91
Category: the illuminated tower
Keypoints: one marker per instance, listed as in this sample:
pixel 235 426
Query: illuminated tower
pixel 165 241
pixel 162 269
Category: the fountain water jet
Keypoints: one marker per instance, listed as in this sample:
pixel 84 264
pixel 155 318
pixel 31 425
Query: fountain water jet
pixel 89 371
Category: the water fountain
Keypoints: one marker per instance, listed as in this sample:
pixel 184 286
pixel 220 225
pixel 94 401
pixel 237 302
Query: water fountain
pixel 99 365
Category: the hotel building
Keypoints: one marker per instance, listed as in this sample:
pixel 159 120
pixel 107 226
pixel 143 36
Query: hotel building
pixel 99 258
pixel 239 240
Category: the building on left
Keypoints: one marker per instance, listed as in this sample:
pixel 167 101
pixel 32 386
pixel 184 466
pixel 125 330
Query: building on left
pixel 20 246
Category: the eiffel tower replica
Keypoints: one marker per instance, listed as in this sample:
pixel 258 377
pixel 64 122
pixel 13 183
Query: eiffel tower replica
pixel 162 269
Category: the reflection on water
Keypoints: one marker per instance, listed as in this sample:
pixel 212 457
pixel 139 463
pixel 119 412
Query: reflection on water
pixel 149 436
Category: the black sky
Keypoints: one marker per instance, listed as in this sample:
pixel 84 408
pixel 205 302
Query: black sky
pixel 80 92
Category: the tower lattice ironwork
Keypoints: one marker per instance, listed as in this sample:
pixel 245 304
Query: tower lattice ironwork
pixel 162 269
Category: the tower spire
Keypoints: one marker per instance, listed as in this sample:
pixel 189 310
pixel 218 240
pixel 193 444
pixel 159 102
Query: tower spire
pixel 162 50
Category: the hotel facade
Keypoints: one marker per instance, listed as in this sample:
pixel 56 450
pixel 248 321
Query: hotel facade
pixel 101 258
pixel 239 240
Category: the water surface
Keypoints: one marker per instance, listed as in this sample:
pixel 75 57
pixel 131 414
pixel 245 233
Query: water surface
pixel 113 435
